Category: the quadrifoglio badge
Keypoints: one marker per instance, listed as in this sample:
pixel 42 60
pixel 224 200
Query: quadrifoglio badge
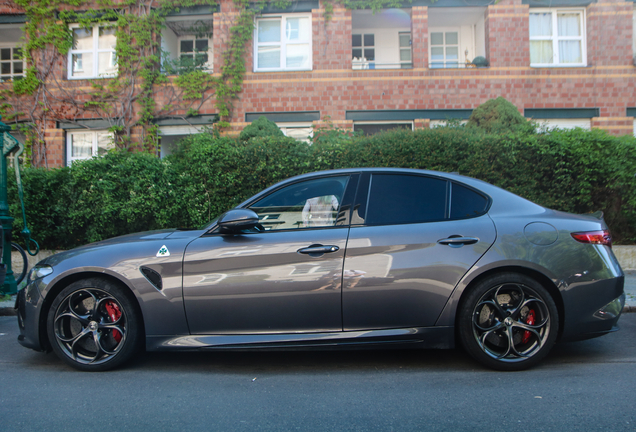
pixel 163 252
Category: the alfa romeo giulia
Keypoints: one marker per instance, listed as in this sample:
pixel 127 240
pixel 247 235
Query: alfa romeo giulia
pixel 337 259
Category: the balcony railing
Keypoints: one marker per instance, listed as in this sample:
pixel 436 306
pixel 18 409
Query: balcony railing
pixel 451 65
pixel 357 64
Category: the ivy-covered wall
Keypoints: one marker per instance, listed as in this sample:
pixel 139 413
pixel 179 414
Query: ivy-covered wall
pixel 143 92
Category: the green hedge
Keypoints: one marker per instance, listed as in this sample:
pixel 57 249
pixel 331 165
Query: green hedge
pixel 574 171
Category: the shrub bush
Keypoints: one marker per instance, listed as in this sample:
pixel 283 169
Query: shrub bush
pixel 575 171
pixel 499 116
pixel 262 127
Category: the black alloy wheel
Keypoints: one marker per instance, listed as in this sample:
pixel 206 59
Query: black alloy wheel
pixel 94 325
pixel 508 322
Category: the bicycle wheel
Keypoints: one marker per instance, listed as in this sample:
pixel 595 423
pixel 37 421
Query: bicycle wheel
pixel 19 276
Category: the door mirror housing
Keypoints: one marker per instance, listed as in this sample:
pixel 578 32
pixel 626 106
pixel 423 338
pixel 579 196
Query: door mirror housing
pixel 234 221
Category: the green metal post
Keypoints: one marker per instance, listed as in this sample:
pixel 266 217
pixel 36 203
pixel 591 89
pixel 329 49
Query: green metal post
pixel 9 287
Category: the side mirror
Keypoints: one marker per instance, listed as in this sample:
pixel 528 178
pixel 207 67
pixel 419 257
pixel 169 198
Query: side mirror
pixel 234 221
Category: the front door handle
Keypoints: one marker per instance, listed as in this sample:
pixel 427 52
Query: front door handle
pixel 318 249
pixel 458 241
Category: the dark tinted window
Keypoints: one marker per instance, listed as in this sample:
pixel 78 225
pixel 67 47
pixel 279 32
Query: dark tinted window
pixel 466 203
pixel 396 199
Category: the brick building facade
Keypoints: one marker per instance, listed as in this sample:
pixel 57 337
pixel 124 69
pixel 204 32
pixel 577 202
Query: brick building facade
pixel 570 64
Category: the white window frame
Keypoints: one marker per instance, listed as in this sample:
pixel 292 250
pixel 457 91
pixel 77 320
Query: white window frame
pixel 285 127
pixel 11 75
pixel 363 47
pixel 548 124
pixel 95 51
pixel 555 38
pixel 443 64
pixel 283 45
pixel 406 64
pixel 95 141
pixel 410 123
pixel 208 66
pixel 442 123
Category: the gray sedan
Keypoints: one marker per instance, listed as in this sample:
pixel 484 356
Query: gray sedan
pixel 337 259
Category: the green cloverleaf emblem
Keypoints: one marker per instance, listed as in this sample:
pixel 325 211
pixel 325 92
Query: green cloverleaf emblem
pixel 163 252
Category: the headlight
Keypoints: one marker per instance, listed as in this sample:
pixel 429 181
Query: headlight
pixel 38 272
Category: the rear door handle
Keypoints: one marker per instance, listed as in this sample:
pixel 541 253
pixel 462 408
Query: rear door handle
pixel 318 249
pixel 458 241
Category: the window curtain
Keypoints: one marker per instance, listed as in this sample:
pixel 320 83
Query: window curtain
pixel 541 52
pixel 569 26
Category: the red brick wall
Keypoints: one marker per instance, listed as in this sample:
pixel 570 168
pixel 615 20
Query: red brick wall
pixel 333 88
pixel 609 33
pixel 331 40
pixel 419 36
pixel 507 34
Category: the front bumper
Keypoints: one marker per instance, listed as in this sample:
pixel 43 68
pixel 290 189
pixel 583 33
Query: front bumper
pixel 28 304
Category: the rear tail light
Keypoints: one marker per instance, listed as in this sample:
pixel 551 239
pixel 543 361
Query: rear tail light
pixel 594 237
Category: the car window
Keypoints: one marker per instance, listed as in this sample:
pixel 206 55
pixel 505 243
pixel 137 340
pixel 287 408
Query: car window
pixel 398 199
pixel 308 204
pixel 466 203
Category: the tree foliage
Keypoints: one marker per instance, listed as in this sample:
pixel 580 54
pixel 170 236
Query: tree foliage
pixel 575 171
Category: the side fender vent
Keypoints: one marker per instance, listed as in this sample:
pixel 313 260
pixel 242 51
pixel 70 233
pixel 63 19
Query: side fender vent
pixel 153 277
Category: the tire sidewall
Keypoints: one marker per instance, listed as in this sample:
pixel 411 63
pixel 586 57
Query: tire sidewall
pixel 131 343
pixel 465 324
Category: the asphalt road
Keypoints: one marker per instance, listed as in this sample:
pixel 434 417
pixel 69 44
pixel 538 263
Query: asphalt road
pixel 582 386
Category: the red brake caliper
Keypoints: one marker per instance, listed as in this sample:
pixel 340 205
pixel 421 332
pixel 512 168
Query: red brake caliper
pixel 115 313
pixel 530 321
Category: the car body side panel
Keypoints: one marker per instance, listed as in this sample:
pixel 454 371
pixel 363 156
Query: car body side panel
pixel 400 276
pixel 162 310
pixel 587 276
pixel 260 283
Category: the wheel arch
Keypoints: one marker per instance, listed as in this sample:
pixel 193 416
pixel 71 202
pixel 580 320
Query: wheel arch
pixel 62 283
pixel 541 278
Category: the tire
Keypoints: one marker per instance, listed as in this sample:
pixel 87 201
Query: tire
pixel 23 269
pixel 508 322
pixel 94 325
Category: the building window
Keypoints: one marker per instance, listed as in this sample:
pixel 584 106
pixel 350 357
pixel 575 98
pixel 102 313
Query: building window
pixel 283 43
pixel 565 124
pixel 450 122
pixel 371 128
pixel 93 53
pixel 444 49
pixel 406 59
pixel 363 51
pixel 169 137
pixel 557 37
pixel 193 52
pixel 299 131
pixel 86 144
pixel 186 44
pixel 11 63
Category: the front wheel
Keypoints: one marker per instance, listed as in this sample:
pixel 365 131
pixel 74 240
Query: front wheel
pixel 93 325
pixel 508 322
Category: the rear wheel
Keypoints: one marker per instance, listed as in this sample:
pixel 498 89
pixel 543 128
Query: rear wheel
pixel 93 325
pixel 508 322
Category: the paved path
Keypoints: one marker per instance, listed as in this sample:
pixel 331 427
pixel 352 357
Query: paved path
pixel 581 386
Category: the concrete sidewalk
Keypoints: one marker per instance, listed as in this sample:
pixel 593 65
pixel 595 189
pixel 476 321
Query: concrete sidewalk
pixel 6 307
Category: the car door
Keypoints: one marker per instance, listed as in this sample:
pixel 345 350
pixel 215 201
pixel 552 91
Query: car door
pixel 284 279
pixel 412 238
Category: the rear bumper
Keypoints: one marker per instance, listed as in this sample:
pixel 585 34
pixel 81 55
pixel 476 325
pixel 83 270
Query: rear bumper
pixel 601 322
